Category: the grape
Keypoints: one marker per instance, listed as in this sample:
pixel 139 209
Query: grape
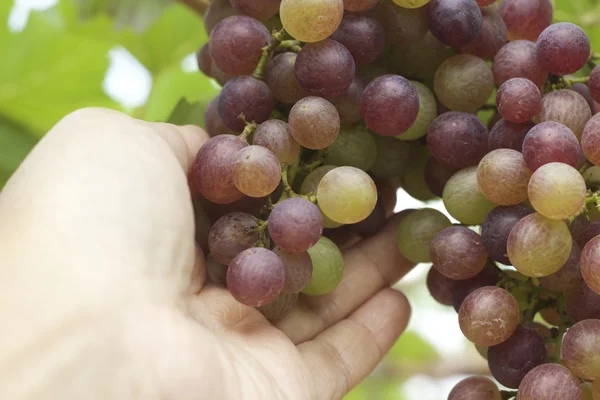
pixel 328 268
pixel 557 191
pixel 475 388
pixel 248 96
pixel 549 382
pixel 325 68
pixel 205 62
pixel 485 3
pixel 389 105
pixel 518 59
pixel 310 185
pixel 464 200
pixel 550 142
pixel 311 20
pixel 212 122
pixel 568 276
pixel 277 136
pixel 489 316
pixel 491 39
pixel 590 140
pixel 236 44
pixel 454 22
pixel 440 287
pixel 526 19
pixel 583 303
pixel 259 9
pixel 281 78
pixel 218 11
pixel 538 246
pixel 250 205
pixel 567 107
pixel 359 5
pixel 581 349
pixel 563 48
pixel 364 37
pixel 414 181
pixel 518 100
pixel 411 3
pixel 256 171
pixel 437 176
pixel 295 225
pixel 427 113
pixel 417 230
pixel 590 232
pixel 298 270
pixel 508 135
pixel 232 234
pixel 457 253
pixel 503 176
pixel 419 59
pixel 489 276
pixel 347 195
pixel 511 360
pixel 216 272
pixel 315 122
pixel 213 169
pixel 348 104
pixel 403 26
pixel 463 82
pixel 255 277
pixel 354 147
pixel 394 157
pixel 590 265
pixel 584 91
pixel 594 83
pixel 577 227
pixel 280 307
pixel 372 224
pixel 458 139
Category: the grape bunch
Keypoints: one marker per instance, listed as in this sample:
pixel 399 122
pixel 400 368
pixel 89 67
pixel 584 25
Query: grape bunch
pixel 328 105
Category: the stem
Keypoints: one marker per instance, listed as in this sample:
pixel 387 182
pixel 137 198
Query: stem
pixel 267 51
pixel 592 199
pixel 288 192
pixel 562 328
pixel 571 81
pixel 508 394
pixel 312 166
pixel 248 130
pixel 532 307
pixel 291 45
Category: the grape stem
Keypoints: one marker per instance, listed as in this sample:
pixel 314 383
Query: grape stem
pixel 591 199
pixel 308 168
pixel 288 192
pixel 291 45
pixel 562 328
pixel 267 51
pixel 508 394
pixel 248 130
pixel 571 81
pixel 533 302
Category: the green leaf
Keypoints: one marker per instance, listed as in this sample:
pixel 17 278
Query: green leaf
pixel 186 113
pixel 411 347
pixel 15 144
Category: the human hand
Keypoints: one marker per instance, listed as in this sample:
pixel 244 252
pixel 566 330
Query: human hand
pixel 103 292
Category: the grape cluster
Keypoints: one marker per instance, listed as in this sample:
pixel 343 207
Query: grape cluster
pixel 325 103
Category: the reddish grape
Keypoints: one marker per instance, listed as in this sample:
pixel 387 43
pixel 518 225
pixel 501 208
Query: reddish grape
pixel 364 38
pixel 568 276
pixel 277 136
pixel 594 83
pixel 491 39
pixel 348 104
pixel 236 44
pixel 248 96
pixel 484 3
pixel 403 26
pixel 389 105
pixel 591 231
pixel 280 307
pixel 218 11
pixel 457 253
pixel 503 177
pixel 578 227
pixel 298 270
pixel 581 349
pixel 213 169
pixel 475 388
pixel 489 276
pixel 454 22
pixel 584 91
pixel 256 171
pixel 281 78
pixel 590 140
pixel 205 62
pixel 325 68
pixel 259 9
pixel 255 277
pixel 315 122
pixel 590 264
pixel 295 225
pixel 518 100
pixel 359 5
pixel 489 316
pixel 440 287
pixel 508 135
pixel 518 59
pixel 549 382
pixel 550 142
pixel 563 48
pixel 232 234
pixel 526 19
pixel 567 107
pixel 497 226
pixel 437 175
pixel 212 122
pixel 458 139
pixel 583 303
pixel 216 272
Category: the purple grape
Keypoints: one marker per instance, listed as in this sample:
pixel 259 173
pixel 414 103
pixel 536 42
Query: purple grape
pixel 204 60
pixel 581 349
pixel 578 227
pixel 372 225
pixel 508 135
pixel 590 266
pixel 550 382
pixel 364 38
pixel 497 226
pixel 217 272
pixel 457 253
pixel 567 107
pixel 213 169
pixel 563 48
pixel 583 303
pixel 475 388
pixel 491 39
pixel 568 276
pixel 256 277
pixel 236 44
pixel 584 91
pixel 511 360
pixel 232 234
pixel 591 231
pixel 280 307
pixel 526 19
pixel 281 78
pixel 389 105
pixel 298 270
pixel 440 287
pixel 277 136
pixel 594 83
pixel 315 122
pixel 403 26
pixel 259 9
pixel 518 100
pixel 218 11
pixel 590 140
pixel 518 59
pixel 550 142
pixel 325 68
pixel 348 104
pixel 248 96
pixel 489 276
pixel 295 225
pixel 458 139
pixel 212 122
pixel 437 175
pixel 454 22
pixel 359 5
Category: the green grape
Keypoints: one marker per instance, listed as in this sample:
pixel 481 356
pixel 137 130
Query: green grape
pixel 328 268
pixel 311 20
pixel 414 182
pixel 310 185
pixel 482 350
pixel 420 59
pixel 354 147
pixel 427 113
pixel 411 3
pixel 538 246
pixel 393 157
pixel 463 83
pixel 416 232
pixel 347 195
pixel 463 198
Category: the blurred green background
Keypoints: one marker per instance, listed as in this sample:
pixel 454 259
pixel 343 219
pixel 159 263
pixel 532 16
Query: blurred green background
pixel 137 56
